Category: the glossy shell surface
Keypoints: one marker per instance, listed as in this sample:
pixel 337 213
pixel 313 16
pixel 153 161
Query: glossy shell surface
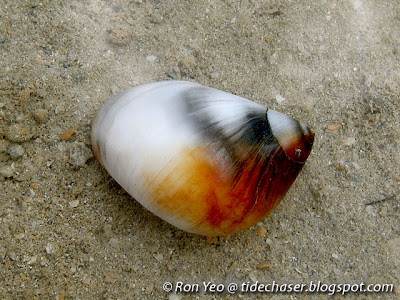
pixel 206 161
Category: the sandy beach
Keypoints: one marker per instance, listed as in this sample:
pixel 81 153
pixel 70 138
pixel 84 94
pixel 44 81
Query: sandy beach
pixel 69 231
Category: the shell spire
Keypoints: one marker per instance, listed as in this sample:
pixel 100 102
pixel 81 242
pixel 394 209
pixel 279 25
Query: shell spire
pixel 206 161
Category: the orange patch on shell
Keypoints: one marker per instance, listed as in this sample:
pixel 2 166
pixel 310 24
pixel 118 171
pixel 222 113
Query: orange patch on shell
pixel 204 198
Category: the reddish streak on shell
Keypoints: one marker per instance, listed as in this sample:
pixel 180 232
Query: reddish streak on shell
pixel 299 145
pixel 211 201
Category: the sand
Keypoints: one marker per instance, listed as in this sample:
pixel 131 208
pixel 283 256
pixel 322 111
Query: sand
pixel 68 231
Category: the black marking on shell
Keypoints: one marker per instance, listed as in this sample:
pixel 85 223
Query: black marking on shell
pixel 253 140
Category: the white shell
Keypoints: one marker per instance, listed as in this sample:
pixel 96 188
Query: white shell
pixel 182 150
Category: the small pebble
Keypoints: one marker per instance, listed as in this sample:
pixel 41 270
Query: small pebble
pixel 333 127
pixel 159 257
pixel 273 12
pixel 18 133
pixel 340 166
pixel 170 267
pixel 119 37
pixel 74 203
pixel 151 58
pixel 177 72
pixel 264 265
pixel 335 256
pixel 262 231
pixel 49 248
pixel 79 154
pixel 274 58
pixel 348 141
pixel 114 90
pixel 356 165
pixel 32 260
pixel 7 171
pixel 332 216
pixel 15 151
pixel 19 236
pixel 268 38
pixel 60 109
pixel 12 256
pixel 174 73
pixel 234 265
pixel 86 279
pixel 187 62
pixel 26 171
pixel 279 99
pixel 383 212
pixel 68 134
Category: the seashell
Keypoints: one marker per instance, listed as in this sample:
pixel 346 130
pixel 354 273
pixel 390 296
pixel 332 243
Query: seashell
pixel 206 161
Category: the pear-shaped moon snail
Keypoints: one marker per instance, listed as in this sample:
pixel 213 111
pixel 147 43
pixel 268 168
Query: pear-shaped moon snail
pixel 205 161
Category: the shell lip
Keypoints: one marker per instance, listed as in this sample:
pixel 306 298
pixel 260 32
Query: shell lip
pixel 307 133
pixel 300 148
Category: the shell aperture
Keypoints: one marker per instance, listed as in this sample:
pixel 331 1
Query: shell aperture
pixel 206 161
